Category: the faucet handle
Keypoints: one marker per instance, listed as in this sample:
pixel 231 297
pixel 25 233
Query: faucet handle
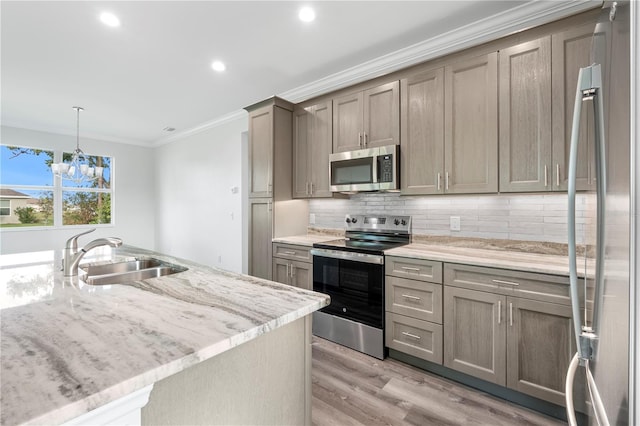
pixel 72 243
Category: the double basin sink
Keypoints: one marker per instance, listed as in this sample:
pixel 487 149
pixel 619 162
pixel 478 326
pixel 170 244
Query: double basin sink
pixel 123 272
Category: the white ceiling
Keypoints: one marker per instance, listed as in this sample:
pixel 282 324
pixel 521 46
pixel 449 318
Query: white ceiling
pixel 154 71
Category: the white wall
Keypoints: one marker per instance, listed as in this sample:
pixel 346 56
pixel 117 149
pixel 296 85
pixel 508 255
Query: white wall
pixel 528 217
pixel 134 210
pixel 198 217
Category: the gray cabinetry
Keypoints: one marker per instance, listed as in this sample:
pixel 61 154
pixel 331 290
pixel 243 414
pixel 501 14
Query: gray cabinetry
pixel 293 265
pixel 367 119
pixel 312 133
pixel 449 124
pixel 525 117
pixel 413 319
pixel 571 50
pixel 271 211
pixel 471 125
pixel 510 328
pixel 422 133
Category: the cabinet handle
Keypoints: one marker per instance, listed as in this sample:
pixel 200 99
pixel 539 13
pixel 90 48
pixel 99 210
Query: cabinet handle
pixel 290 253
pixel 311 185
pixel 270 187
pixel 505 282
pixel 499 311
pixel 557 174
pixel 269 205
pixel 364 139
pixel 360 139
pixel 287 266
pixel 511 314
pixel 409 268
pixel 306 188
pixel 293 271
pixel 404 333
pixel 438 178
pixel 545 176
pixel 408 296
pixel 446 181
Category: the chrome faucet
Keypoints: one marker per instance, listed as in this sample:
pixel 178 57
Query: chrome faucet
pixel 72 255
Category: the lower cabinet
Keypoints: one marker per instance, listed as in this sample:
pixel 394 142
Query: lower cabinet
pixel 517 342
pixel 292 272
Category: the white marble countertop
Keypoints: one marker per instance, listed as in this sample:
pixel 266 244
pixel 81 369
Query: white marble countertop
pixel 306 239
pixel 505 259
pixel 68 347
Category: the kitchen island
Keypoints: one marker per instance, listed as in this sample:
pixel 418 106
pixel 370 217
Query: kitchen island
pixel 209 345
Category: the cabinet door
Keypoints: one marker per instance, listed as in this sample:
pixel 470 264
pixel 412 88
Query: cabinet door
pixel 571 50
pixel 382 115
pixel 302 275
pixel 261 152
pixel 318 153
pixel 301 141
pixel 422 133
pixel 475 333
pixel 471 125
pixel 525 117
pixel 281 270
pixel 260 236
pixel 540 345
pixel 347 122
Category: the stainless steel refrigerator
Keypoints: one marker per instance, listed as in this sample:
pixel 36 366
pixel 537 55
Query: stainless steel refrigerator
pixel 602 329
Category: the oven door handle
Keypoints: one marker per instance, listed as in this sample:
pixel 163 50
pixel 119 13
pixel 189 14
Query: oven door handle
pixel 347 255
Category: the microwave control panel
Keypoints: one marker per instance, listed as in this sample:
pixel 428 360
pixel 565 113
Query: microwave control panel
pixel 386 168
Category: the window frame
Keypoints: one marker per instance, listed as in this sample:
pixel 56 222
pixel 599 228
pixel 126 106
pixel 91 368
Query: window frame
pixel 2 208
pixel 58 189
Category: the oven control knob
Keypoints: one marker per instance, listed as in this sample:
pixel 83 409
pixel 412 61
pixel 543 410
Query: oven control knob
pixel 403 222
pixel 396 222
pixel 354 220
pixel 348 220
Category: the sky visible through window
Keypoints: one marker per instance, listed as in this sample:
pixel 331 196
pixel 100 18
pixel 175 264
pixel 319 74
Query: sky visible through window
pixel 25 169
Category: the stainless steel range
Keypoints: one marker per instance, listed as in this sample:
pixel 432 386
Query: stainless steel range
pixel 351 271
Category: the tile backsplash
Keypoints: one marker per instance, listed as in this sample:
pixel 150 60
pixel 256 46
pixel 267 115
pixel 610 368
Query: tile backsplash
pixel 529 217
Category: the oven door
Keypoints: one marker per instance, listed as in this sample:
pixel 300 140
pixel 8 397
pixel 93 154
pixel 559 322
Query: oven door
pixel 355 283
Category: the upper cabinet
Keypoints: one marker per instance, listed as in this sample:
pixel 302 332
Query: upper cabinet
pixel 525 117
pixel 571 50
pixel 471 125
pixel 261 152
pixel 311 148
pixel 367 119
pixel 422 133
pixel 449 141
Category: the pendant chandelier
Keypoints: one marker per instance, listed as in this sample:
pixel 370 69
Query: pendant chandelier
pixel 79 169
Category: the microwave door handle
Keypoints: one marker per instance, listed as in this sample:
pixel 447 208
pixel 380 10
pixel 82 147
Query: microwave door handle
pixel 375 171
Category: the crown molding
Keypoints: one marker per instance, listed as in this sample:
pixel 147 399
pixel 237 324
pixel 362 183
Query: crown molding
pixel 233 116
pixel 528 15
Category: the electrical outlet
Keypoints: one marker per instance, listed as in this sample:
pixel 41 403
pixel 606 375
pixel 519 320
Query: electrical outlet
pixel 312 218
pixel 454 223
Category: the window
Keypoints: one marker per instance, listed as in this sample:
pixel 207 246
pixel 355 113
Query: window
pixel 5 207
pixel 37 198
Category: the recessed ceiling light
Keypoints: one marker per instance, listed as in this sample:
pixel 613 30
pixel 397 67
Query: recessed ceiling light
pixel 218 66
pixel 306 14
pixel 109 19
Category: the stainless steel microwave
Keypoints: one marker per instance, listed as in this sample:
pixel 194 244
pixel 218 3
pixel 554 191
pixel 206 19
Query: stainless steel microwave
pixel 372 169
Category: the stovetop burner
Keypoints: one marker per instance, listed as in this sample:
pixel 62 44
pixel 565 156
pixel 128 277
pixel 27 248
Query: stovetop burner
pixel 371 234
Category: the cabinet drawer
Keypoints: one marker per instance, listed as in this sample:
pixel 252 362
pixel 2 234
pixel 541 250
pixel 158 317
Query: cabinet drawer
pixel 415 299
pixel 293 252
pixel 415 269
pixel 548 288
pixel 421 339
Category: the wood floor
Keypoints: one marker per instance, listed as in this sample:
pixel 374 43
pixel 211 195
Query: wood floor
pixel 350 388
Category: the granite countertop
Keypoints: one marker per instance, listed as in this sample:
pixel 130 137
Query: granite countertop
pixel 68 347
pixel 505 259
pixel 307 240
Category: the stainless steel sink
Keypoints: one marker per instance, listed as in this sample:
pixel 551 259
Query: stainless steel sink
pixel 123 272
